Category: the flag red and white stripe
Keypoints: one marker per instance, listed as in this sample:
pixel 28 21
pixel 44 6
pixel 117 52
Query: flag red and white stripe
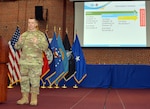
pixel 14 55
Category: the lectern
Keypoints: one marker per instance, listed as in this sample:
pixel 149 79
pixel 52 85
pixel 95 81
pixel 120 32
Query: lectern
pixel 3 69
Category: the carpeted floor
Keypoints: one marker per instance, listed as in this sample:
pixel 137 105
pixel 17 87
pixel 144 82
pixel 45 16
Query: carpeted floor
pixel 83 98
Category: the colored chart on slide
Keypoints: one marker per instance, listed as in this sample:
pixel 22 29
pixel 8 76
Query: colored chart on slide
pixel 105 22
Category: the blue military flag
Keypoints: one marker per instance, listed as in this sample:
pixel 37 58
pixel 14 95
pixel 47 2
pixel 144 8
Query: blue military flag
pixel 51 62
pixel 59 69
pixel 64 55
pixel 80 64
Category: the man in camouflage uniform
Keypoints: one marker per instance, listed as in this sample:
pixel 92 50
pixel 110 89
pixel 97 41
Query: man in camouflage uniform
pixel 33 43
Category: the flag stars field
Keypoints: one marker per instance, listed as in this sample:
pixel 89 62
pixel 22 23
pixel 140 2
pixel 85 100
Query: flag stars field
pixel 77 58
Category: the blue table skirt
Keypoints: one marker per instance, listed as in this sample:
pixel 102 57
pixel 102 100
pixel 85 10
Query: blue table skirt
pixel 115 76
pixel 130 76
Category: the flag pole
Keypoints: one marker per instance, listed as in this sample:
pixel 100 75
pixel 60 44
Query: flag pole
pixel 66 30
pixel 59 30
pixel 43 84
pixel 10 84
pixel 78 82
pixel 10 79
pixel 56 85
pixel 50 84
pixel 46 30
pixel 64 86
pixel 57 82
pixel 75 86
pixel 14 75
pixel 54 29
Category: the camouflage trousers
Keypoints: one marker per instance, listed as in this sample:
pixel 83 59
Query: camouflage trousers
pixel 30 78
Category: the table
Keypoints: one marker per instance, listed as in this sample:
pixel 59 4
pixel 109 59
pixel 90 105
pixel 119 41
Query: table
pixel 117 76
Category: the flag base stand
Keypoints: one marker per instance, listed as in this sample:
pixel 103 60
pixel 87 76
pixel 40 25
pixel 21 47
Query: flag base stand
pixel 50 87
pixel 43 87
pixel 56 87
pixel 64 86
pixel 10 86
pixel 75 86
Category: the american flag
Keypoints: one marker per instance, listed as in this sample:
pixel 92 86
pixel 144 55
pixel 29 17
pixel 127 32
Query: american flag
pixel 13 67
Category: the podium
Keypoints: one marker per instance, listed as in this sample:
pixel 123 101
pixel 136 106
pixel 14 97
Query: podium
pixel 3 69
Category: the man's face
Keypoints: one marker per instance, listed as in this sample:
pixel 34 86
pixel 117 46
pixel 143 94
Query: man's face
pixel 32 24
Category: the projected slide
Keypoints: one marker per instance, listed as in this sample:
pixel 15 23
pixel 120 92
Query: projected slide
pixel 115 24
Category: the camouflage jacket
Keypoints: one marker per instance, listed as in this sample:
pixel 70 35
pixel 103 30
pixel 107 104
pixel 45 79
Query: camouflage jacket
pixel 32 54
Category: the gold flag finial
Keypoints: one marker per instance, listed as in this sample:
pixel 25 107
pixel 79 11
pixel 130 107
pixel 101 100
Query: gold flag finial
pixel 76 31
pixel 46 30
pixel 55 29
pixel 66 30
pixel 59 30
